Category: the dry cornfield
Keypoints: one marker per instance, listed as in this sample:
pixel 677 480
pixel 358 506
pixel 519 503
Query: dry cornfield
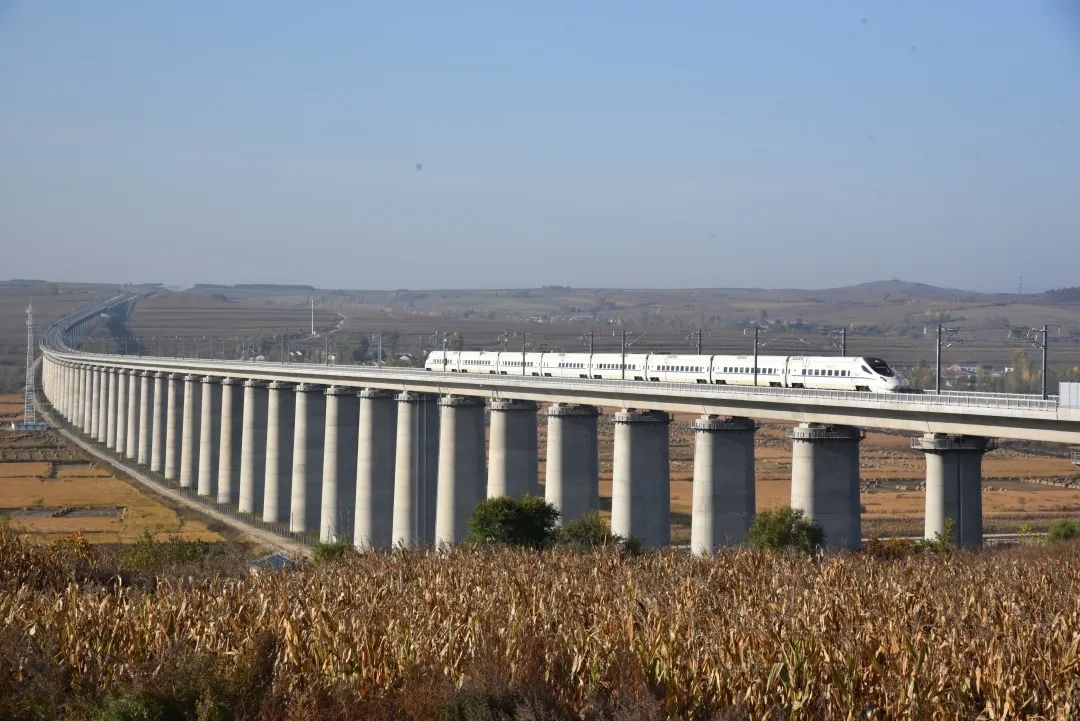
pixel 973 635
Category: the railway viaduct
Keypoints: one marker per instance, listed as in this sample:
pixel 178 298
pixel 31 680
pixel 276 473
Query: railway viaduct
pixel 397 456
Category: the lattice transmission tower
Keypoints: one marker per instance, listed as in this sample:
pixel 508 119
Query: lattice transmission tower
pixel 30 421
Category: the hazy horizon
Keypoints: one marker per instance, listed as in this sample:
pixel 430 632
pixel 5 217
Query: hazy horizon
pixel 779 145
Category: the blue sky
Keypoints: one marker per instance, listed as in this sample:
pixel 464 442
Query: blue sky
pixel 500 144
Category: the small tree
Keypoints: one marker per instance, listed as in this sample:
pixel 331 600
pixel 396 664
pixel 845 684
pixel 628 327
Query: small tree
pixel 505 521
pixel 785 527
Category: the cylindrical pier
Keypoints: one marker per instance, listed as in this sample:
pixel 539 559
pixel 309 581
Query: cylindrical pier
pixel 415 468
pixel 512 465
pixel 279 446
pixel 190 435
pixel 157 437
pixel 253 448
pixel 146 416
pixel 954 485
pixel 339 463
pixel 307 457
pixel 209 436
pixel 640 477
pixel 120 432
pixel 375 458
pixel 461 466
pixel 572 474
pixel 825 480
pixel 173 427
pixel 131 445
pixel 230 441
pixel 723 495
pixel 111 408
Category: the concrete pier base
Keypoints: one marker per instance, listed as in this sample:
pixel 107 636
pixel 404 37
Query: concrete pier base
pixel 253 448
pixel 101 398
pixel 339 463
pixel 157 425
pixel 89 400
pixel 229 441
pixel 461 467
pixel 415 469
pixel 280 411
pixel 723 496
pixel 189 433
pixel 825 480
pixel 954 485
pixel 209 435
pixel 572 474
pixel 375 460
pixel 512 466
pixel 640 479
pixel 307 458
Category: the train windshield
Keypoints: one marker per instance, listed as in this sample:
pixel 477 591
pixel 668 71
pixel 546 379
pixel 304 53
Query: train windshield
pixel 879 366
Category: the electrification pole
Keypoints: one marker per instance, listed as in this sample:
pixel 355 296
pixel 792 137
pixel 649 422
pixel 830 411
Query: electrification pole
pixel 937 362
pixel 756 330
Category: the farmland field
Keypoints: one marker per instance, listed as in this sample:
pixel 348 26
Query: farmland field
pixel 50 489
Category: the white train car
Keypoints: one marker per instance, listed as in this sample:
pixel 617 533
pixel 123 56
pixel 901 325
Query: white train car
pixel 814 372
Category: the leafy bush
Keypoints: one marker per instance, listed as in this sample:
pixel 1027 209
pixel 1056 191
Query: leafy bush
pixel 784 528
pixel 942 543
pixel 331 551
pixel 153 555
pixel 589 531
pixel 505 521
pixel 133 707
pixel 1063 531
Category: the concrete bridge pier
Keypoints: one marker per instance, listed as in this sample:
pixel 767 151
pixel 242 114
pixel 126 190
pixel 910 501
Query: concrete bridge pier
pixel 512 466
pixel 572 474
pixel 111 407
pixel 86 415
pixel 209 435
pixel 79 400
pixel 253 448
pixel 280 412
pixel 190 435
pixel 131 443
pixel 146 417
pixel 230 441
pixel 723 496
pixel 157 439
pixel 101 425
pixel 97 402
pixel 307 458
pixel 375 462
pixel 825 480
pixel 339 463
pixel 640 478
pixel 461 479
pixel 174 409
pixel 954 485
pixel 415 463
pixel 120 432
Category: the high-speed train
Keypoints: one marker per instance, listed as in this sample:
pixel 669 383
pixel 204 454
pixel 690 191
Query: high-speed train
pixel 819 372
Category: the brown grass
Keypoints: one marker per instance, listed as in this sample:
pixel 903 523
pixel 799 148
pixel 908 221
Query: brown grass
pixel 745 633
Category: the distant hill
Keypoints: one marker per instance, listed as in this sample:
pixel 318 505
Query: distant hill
pixel 899 290
pixel 1061 296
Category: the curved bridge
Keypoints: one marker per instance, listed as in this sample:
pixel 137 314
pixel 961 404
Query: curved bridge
pixel 397 456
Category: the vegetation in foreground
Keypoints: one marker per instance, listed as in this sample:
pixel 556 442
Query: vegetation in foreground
pixel 554 634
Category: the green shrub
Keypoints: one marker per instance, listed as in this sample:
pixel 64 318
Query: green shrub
pixel 331 551
pixel 133 707
pixel 585 532
pixel 589 531
pixel 784 528
pixel 151 554
pixel 1063 531
pixel 505 521
pixel 942 543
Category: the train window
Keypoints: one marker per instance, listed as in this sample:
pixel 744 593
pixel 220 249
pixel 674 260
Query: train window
pixel 880 367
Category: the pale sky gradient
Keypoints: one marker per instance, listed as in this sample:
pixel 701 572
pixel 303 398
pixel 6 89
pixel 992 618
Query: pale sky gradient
pixel 779 144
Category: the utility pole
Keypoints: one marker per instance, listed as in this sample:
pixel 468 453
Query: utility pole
pixel 312 315
pixel 623 363
pixel 1044 344
pixel 937 362
pixel 696 336
pixel 757 329
pixel 523 334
